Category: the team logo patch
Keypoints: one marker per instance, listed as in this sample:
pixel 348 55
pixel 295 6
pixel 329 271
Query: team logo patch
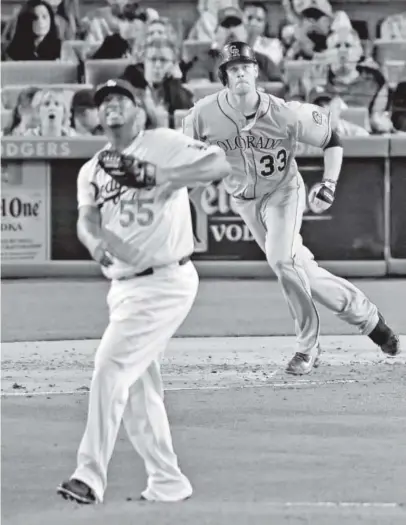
pixel 235 52
pixel 317 117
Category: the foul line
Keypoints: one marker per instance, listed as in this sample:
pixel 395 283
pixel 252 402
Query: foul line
pixel 338 504
pixel 297 384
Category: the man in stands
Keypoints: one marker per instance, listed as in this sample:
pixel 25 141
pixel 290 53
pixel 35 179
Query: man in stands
pixel 230 28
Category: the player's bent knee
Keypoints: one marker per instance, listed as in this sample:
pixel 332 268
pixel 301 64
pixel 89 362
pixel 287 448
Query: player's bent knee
pixel 280 265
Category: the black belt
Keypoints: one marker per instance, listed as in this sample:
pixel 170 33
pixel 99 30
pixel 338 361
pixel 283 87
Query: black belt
pixel 151 271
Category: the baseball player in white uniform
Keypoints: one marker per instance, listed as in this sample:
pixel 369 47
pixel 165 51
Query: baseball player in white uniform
pixel 134 218
pixel 260 133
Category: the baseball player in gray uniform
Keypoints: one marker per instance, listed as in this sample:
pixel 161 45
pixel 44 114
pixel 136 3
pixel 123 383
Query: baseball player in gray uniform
pixel 135 220
pixel 259 134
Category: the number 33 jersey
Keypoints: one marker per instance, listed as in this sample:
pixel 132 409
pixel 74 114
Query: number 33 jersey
pixel 261 150
pixel 143 227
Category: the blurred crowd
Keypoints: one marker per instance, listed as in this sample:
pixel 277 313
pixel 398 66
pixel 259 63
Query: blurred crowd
pixel 315 54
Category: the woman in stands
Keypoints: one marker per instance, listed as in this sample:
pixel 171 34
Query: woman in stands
pixel 53 113
pixel 36 34
pixel 23 117
pixel 67 19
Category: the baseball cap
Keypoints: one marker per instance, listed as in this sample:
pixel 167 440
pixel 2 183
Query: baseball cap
pixel 83 99
pixel 230 17
pixel 323 6
pixel 115 86
pixel 318 96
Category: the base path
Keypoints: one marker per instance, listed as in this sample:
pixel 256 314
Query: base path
pixel 66 366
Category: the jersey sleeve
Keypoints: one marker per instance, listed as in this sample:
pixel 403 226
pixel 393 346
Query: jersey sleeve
pixel 183 159
pixel 190 125
pixel 85 189
pixel 311 124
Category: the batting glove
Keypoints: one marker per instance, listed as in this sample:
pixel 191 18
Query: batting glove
pixel 321 196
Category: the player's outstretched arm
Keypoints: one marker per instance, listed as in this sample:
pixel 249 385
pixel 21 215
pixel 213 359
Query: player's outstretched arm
pixel 201 164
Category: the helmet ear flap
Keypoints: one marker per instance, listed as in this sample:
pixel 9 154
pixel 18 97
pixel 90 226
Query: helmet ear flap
pixel 222 74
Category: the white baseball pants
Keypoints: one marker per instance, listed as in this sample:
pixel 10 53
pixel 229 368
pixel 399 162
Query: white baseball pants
pixel 275 221
pixel 145 312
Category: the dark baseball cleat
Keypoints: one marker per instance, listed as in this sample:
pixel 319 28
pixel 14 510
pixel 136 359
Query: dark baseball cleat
pixel 302 364
pixel 76 490
pixel 383 336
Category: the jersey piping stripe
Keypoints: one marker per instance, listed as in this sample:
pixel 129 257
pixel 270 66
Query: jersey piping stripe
pixel 298 273
pixel 238 132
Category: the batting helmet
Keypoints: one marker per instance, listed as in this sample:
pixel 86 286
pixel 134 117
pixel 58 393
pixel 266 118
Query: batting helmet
pixel 234 52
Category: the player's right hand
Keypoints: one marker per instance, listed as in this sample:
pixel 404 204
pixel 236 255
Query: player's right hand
pixel 102 255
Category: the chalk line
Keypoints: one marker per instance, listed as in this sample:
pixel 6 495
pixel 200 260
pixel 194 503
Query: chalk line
pixel 297 384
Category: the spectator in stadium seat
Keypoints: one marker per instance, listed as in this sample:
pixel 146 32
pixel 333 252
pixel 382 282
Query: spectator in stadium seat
pixel 84 114
pixel 204 29
pixel 24 116
pixel 315 20
pixel 256 24
pixel 160 78
pixel 67 20
pixel 159 28
pixel 358 83
pixel 36 34
pixel 394 27
pixel 53 115
pixel 115 19
pixel 230 28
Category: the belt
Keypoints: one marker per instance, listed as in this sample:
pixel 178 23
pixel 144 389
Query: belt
pixel 151 271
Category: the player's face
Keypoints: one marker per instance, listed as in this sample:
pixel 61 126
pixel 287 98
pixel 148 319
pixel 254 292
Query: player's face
pixel 116 110
pixel 242 77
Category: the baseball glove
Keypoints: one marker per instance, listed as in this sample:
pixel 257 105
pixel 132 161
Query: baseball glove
pixel 127 170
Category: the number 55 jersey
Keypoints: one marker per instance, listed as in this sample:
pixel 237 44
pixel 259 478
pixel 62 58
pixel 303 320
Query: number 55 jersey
pixel 261 150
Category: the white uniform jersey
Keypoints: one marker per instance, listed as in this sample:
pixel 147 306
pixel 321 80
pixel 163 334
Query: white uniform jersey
pixel 144 227
pixel 261 152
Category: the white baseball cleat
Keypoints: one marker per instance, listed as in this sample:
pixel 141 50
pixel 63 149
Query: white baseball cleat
pixel 302 364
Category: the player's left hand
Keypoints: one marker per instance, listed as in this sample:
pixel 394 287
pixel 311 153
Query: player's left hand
pixel 127 170
pixel 321 196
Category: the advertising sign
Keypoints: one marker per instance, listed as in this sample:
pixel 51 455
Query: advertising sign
pixel 24 212
pixel 352 230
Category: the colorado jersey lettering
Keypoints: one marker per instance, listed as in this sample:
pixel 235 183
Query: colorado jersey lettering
pixel 261 151
pixel 144 227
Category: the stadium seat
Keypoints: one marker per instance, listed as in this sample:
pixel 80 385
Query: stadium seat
pixel 358 116
pixel 35 72
pixel 295 70
pixel 277 89
pixel 202 90
pixel 9 94
pixel 99 71
pixel 77 50
pixel 387 50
